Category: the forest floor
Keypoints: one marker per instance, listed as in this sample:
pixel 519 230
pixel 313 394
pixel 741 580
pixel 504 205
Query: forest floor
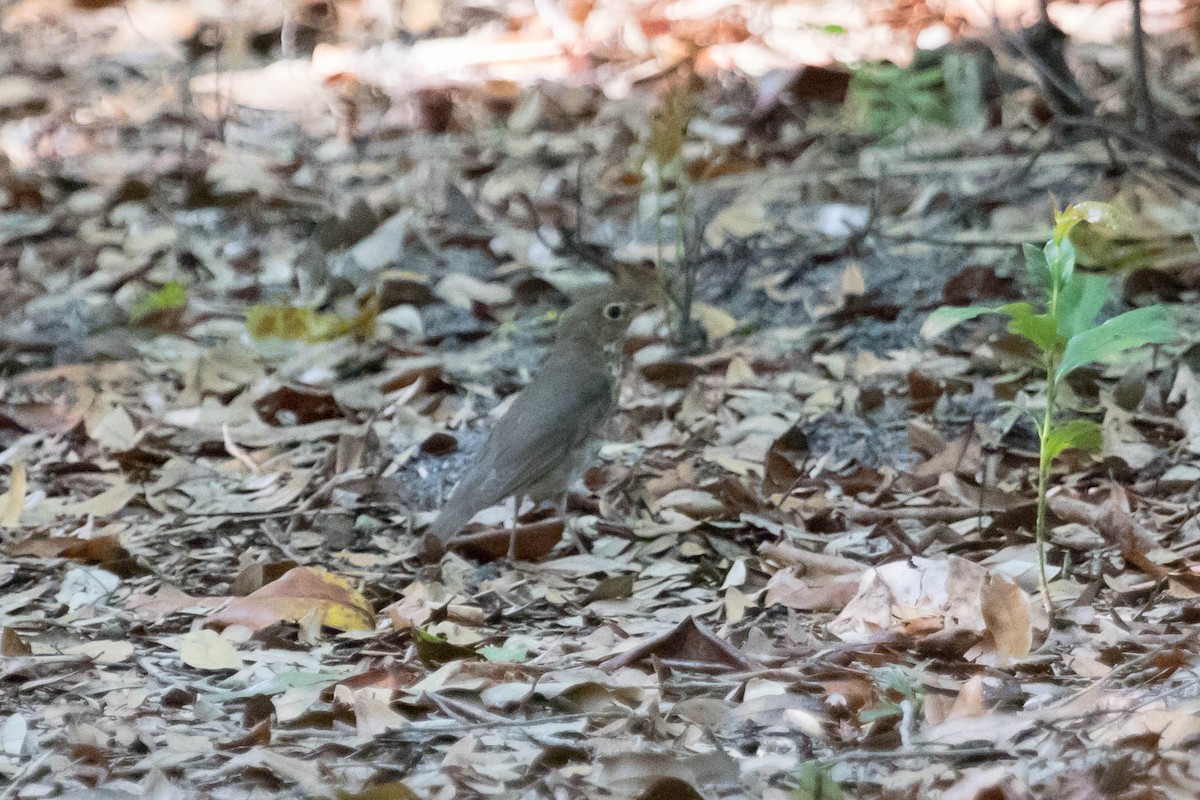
pixel 265 281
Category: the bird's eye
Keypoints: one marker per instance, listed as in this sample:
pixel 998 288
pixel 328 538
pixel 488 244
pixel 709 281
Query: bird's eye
pixel 614 311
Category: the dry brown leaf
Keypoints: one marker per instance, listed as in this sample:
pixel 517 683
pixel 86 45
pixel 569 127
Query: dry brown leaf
pixel 53 400
pixel 786 588
pixel 739 372
pixel 113 429
pixel 371 707
pixel 923 596
pixel 969 701
pixel 961 456
pixel 421 601
pixel 255 576
pixel 689 641
pixel 812 563
pixel 1116 524
pixel 693 502
pixel 531 542
pixel 717 322
pixel 12 645
pixel 638 771
pixel 105 551
pixel 1006 613
pixel 984 498
pixel 784 459
pixel 166 601
pixel 993 783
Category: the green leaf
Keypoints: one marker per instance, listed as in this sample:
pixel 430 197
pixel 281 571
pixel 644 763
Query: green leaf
pixel 435 650
pixel 173 294
pixel 925 78
pixel 836 29
pixel 511 653
pixel 268 320
pixel 813 782
pixel 1035 262
pixel 1150 325
pixel 943 319
pixel 1060 258
pixel 1040 329
pixel 1080 302
pixel 1081 434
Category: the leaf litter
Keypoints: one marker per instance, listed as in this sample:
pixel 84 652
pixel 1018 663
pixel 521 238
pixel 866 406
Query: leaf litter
pixel 271 279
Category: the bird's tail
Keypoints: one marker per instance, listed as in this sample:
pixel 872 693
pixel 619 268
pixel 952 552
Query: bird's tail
pixel 456 513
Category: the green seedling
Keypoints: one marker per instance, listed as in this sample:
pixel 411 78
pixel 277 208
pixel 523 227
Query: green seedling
pixel 1063 327
pixel 814 782
pixel 665 165
pixel 884 97
pixel 172 295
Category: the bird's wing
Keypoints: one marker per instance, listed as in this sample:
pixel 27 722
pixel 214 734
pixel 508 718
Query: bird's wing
pixel 558 412
pixel 548 421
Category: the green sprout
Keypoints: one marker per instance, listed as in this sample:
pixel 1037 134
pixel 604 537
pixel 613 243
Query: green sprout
pixel 1063 327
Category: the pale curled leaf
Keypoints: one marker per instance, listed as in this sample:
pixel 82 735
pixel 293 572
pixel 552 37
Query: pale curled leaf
pixel 205 649
pixel 12 501
pixel 717 322
pixel 1108 218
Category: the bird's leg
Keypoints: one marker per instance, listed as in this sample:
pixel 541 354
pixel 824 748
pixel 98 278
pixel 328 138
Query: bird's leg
pixel 568 528
pixel 518 501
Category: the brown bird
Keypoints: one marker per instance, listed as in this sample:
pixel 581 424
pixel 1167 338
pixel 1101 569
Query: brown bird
pixel 550 433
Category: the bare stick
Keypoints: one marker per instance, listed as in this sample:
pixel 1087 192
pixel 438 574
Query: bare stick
pixel 1143 106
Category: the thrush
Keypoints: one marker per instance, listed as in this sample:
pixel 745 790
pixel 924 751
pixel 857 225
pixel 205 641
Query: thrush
pixel 551 431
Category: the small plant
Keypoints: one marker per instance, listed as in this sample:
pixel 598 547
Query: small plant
pixel 884 97
pixel 814 782
pixel 171 297
pixel 901 694
pixel 1065 331
pixel 664 164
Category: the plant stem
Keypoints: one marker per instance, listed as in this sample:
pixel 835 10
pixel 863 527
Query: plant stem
pixel 1143 106
pixel 1044 458
pixel 660 265
pixel 658 215
pixel 1044 463
pixel 683 265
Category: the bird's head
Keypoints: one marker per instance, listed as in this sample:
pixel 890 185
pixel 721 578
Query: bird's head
pixel 602 317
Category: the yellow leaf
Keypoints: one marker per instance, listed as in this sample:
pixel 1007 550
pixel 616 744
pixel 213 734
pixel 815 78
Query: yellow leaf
pixel 717 322
pixel 266 320
pixel 13 500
